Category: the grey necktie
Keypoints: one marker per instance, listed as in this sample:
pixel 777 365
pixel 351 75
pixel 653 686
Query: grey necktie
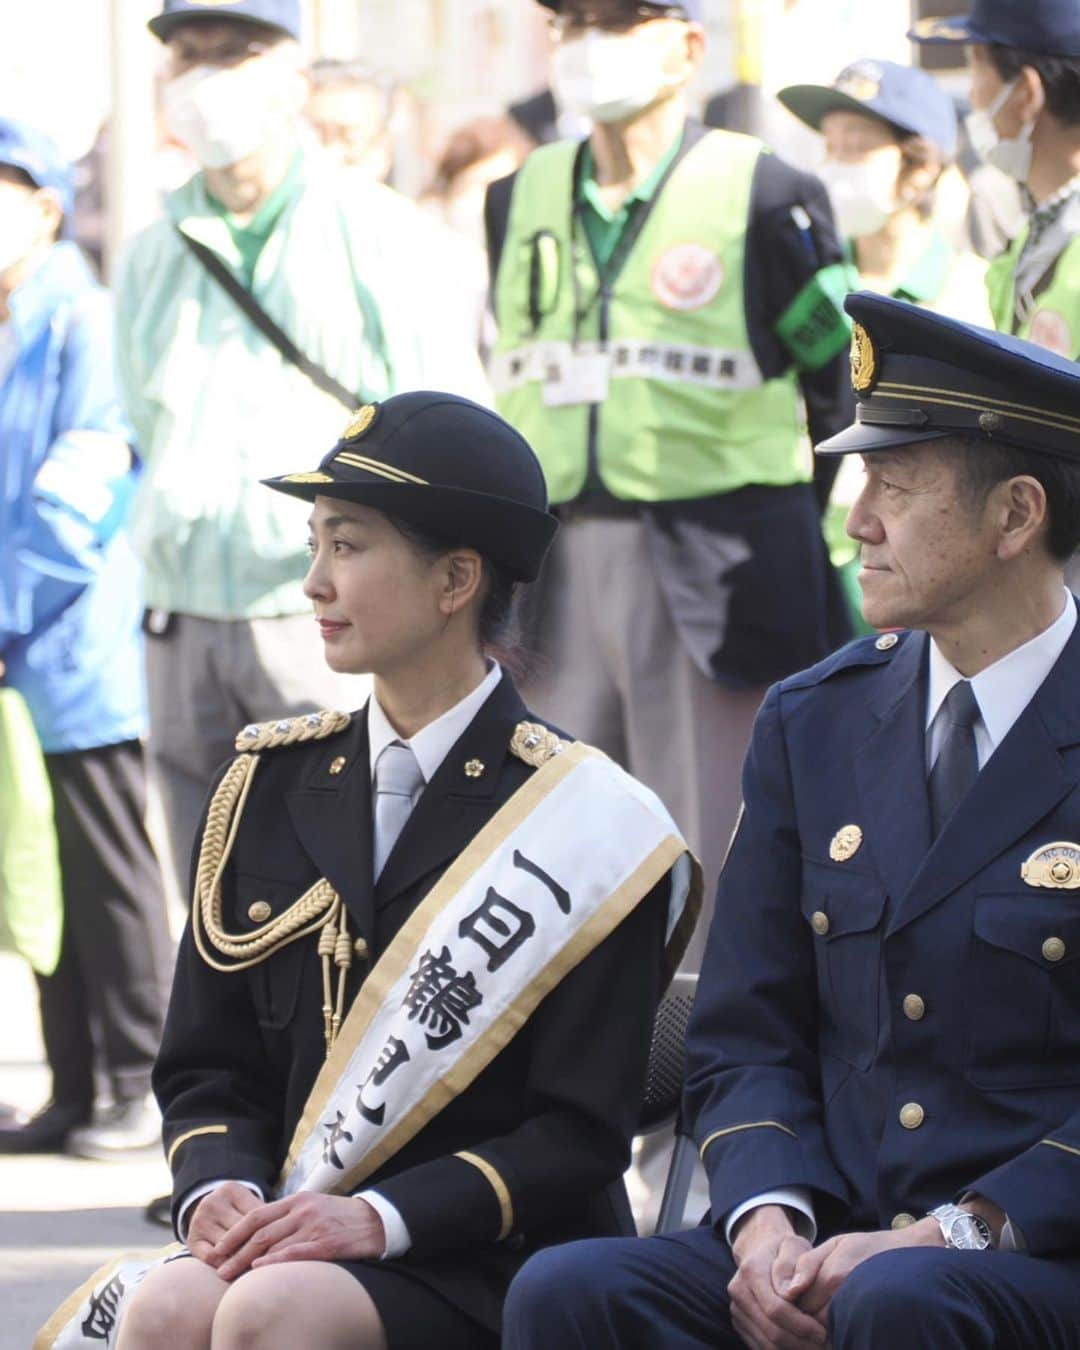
pixel 957 764
pixel 398 782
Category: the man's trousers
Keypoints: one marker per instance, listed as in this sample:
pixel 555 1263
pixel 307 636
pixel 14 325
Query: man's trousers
pixel 115 956
pixel 670 1293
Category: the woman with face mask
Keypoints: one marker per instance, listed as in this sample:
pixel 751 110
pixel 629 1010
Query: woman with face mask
pixel 889 131
pixel 410 1023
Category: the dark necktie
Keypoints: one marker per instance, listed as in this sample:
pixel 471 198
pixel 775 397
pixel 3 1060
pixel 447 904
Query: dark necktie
pixel 957 765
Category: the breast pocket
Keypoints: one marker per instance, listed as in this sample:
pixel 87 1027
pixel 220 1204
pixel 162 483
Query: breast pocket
pixel 275 981
pixel 845 913
pixel 1024 990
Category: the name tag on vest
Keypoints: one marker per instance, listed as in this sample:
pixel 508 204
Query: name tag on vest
pixel 576 376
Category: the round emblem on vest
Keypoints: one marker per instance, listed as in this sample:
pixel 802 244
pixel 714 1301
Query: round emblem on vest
pixel 687 276
pixel 259 911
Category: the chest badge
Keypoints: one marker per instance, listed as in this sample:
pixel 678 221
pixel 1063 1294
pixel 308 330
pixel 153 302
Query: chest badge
pixel 845 843
pixel 687 277
pixel 1054 866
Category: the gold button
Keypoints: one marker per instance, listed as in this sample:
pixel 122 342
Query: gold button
pixel 338 764
pixel 820 923
pixel 474 768
pixel 912 1116
pixel 259 911
pixel 1053 949
pixel 903 1221
pixel 886 642
pixel 914 1008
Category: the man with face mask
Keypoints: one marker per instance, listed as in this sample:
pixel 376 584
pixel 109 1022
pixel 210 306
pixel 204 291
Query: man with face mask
pixel 1025 120
pixel 277 289
pixel 70 607
pixel 667 298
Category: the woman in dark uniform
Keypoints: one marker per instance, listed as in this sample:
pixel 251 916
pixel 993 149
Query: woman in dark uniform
pixel 497 1115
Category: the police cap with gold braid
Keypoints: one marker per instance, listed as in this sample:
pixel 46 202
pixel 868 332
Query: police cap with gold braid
pixel 449 466
pixel 919 376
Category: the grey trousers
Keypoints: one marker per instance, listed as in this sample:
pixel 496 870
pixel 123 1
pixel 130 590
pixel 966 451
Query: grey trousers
pixel 611 668
pixel 208 678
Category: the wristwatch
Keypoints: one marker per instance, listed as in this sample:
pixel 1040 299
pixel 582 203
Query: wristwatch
pixel 962 1230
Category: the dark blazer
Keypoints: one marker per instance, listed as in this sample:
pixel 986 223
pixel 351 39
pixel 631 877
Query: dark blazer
pixel 553 1113
pixel 890 1030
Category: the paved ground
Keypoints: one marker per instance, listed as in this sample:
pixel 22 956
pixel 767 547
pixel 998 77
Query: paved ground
pixel 60 1218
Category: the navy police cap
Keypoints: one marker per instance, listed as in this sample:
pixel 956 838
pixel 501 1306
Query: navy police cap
pixel 691 8
pixel 1050 27
pixel 447 465
pixel 903 96
pixel 283 15
pixel 920 376
pixel 40 158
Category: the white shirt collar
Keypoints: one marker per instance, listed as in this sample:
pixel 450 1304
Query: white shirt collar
pixel 1004 689
pixel 431 744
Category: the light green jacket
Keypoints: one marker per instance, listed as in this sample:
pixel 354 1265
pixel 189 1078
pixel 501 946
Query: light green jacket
pixel 361 281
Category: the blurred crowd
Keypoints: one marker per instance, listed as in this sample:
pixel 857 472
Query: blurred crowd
pixel 654 301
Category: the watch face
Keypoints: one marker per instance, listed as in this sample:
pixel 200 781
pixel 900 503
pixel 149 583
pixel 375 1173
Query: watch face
pixel 969 1233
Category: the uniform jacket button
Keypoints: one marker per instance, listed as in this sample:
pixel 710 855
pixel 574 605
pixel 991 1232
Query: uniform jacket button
pixel 1053 949
pixel 912 1116
pixel 820 923
pixel 914 1008
pixel 902 1221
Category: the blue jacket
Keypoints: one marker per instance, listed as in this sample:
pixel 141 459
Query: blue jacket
pixel 809 1062
pixel 70 599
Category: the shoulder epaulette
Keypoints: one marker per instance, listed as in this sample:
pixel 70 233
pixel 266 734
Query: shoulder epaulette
pixel 535 744
pixel 864 651
pixel 314 726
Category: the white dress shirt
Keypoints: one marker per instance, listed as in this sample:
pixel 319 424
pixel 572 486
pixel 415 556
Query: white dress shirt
pixel 1002 691
pixel 430 745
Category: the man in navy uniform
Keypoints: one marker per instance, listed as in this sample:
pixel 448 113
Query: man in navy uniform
pixel 884 1060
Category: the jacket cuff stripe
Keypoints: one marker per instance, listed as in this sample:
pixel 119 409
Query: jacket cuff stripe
pixel 499 1186
pixel 750 1125
pixel 1065 1148
pixel 193 1134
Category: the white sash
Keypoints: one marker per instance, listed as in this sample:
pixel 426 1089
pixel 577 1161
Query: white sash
pixel 556 870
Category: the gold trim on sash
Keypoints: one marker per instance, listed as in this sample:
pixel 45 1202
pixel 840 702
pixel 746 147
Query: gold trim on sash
pixel 193 1134
pixel 46 1337
pixel 499 1186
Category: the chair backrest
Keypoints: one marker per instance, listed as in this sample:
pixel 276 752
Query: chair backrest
pixel 667 1055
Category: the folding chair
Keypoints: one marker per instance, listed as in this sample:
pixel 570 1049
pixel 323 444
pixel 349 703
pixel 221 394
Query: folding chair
pixel 663 1094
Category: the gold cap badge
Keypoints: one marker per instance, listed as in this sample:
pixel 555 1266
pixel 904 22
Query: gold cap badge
pixel 846 842
pixel 360 422
pixel 1055 866
pixel 863 360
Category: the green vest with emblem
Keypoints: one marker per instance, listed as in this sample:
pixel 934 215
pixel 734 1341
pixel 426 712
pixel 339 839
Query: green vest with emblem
pixel 687 413
pixel 1054 321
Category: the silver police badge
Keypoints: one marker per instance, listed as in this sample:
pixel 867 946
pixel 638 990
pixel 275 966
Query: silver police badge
pixel 1055 866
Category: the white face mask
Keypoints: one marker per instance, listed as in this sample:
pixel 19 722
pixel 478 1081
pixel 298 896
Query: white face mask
pixel 1012 155
pixel 610 76
pixel 863 195
pixel 223 116
pixel 20 232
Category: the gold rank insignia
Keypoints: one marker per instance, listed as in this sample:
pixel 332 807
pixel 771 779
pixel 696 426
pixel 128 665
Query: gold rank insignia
pixel 1055 866
pixel 863 360
pixel 846 842
pixel 360 422
pixel 315 477
pixel 474 768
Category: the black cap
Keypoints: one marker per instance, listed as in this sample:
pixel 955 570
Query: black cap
pixel 447 465
pixel 919 376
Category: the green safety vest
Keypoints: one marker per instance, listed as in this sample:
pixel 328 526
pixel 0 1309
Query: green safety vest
pixel 688 413
pixel 1054 321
